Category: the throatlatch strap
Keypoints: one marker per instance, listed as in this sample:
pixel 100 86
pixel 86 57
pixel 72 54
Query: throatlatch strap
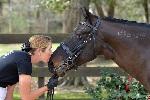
pixel 50 94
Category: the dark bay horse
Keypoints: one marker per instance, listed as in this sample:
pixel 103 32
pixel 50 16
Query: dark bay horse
pixel 127 43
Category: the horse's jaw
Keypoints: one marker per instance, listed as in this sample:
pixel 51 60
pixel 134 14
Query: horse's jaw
pixel 82 60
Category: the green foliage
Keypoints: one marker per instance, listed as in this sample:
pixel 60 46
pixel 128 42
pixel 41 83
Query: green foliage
pixel 21 15
pixel 130 10
pixel 18 22
pixel 115 88
pixel 55 5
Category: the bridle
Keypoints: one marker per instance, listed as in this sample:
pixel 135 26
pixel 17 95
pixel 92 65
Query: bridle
pixel 69 62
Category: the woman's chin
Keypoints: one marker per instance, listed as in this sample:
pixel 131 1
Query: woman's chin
pixel 46 61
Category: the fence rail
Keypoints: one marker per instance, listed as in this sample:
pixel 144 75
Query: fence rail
pixel 20 38
pixel 81 71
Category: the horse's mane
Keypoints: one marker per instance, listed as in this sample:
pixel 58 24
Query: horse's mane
pixel 125 21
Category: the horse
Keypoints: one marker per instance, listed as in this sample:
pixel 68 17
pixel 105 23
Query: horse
pixel 127 43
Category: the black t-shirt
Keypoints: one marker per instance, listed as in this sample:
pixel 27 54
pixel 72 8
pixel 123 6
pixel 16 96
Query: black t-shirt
pixel 12 64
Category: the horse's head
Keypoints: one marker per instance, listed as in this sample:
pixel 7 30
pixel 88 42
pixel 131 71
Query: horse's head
pixel 81 47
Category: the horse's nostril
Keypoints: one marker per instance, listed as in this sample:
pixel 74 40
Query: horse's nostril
pixel 51 66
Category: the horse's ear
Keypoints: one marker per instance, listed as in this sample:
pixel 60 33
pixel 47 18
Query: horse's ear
pixel 85 13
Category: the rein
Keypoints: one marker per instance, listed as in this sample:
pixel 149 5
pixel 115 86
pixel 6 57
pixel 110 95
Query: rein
pixel 50 94
pixel 69 62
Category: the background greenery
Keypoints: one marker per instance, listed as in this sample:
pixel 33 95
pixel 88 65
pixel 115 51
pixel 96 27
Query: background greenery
pixel 61 16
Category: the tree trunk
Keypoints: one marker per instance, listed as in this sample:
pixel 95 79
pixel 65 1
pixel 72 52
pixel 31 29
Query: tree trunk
pixel 98 6
pixel 146 9
pixel 10 12
pixel 72 14
pixel 30 24
pixel 111 9
pixel 72 17
pixel 107 10
pixel 1 8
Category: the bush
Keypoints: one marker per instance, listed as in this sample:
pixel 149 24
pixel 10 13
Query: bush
pixel 114 87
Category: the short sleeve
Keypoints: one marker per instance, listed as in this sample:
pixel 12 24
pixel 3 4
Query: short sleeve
pixel 24 67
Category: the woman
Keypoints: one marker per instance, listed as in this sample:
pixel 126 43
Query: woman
pixel 16 66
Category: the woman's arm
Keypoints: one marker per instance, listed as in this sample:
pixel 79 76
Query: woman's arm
pixel 25 88
pixel 10 90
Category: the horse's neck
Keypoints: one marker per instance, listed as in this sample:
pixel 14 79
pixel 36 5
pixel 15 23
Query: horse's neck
pixel 127 42
pixel 114 33
pixel 131 48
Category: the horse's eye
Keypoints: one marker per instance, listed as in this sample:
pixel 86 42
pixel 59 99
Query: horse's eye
pixel 78 36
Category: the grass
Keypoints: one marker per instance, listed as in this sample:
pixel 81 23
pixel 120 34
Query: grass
pixel 64 96
pixel 16 96
pixel 72 95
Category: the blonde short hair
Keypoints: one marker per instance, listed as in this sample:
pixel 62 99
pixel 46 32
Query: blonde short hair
pixel 39 41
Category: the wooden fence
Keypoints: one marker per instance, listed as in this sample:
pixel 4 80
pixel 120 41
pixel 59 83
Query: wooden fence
pixel 42 71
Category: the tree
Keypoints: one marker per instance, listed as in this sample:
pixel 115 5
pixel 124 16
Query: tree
pixel 111 10
pixel 1 8
pixel 30 17
pixel 105 7
pixel 146 9
pixel 72 14
pixel 10 12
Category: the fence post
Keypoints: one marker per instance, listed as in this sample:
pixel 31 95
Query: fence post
pixel 40 84
pixel 41 81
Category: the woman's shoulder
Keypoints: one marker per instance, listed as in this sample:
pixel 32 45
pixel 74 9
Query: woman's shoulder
pixel 16 55
pixel 21 54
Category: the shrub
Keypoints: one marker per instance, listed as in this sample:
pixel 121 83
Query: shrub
pixel 117 88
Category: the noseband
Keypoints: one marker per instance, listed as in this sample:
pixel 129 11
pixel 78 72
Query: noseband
pixel 69 62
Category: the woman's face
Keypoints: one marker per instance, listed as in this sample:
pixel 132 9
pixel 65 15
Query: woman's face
pixel 46 54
